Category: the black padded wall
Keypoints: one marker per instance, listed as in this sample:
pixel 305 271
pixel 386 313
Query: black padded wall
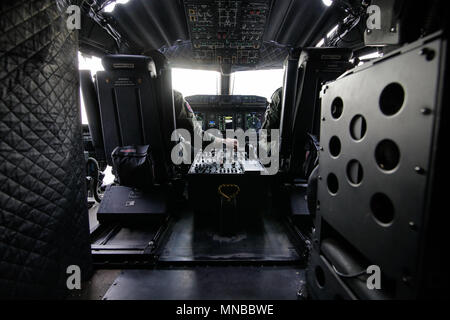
pixel 43 218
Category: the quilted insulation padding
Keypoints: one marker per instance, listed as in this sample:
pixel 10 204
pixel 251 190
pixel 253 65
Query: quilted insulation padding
pixel 43 220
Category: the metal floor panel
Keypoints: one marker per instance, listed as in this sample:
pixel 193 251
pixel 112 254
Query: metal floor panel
pixel 263 239
pixel 97 286
pixel 208 283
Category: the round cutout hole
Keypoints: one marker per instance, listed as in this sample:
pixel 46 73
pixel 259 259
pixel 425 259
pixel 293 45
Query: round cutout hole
pixel 387 155
pixel 337 107
pixel 355 172
pixel 335 146
pixel 320 276
pixel 332 183
pixel 358 127
pixel 382 208
pixel 392 98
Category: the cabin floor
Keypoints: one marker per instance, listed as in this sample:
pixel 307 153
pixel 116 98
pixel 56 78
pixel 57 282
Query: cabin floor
pixel 193 239
pixel 195 283
pixel 208 283
pixel 259 263
pixel 194 261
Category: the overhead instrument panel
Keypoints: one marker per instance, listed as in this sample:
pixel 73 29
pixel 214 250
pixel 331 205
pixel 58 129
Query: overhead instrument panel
pixel 227 32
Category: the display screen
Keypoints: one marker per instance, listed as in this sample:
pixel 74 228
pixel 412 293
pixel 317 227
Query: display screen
pixel 253 120
pixel 228 122
pixel 225 122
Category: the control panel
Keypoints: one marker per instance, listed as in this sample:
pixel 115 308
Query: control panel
pixel 229 112
pixel 227 32
pixel 225 163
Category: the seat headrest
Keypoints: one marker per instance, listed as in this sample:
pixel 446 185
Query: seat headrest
pixel 114 62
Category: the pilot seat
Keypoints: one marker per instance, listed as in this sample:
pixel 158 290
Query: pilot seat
pixel 134 116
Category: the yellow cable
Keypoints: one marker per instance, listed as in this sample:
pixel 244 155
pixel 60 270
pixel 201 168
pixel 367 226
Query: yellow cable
pixel 233 195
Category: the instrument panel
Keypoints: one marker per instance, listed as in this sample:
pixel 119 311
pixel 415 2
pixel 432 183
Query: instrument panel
pixel 229 112
pixel 227 32
pixel 224 162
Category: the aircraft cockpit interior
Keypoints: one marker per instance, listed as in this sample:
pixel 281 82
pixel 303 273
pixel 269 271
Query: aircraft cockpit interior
pixel 223 150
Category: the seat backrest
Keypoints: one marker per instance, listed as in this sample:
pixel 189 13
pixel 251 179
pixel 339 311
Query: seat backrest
pixel 316 66
pixel 90 99
pixel 165 97
pixel 288 102
pixel 129 111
